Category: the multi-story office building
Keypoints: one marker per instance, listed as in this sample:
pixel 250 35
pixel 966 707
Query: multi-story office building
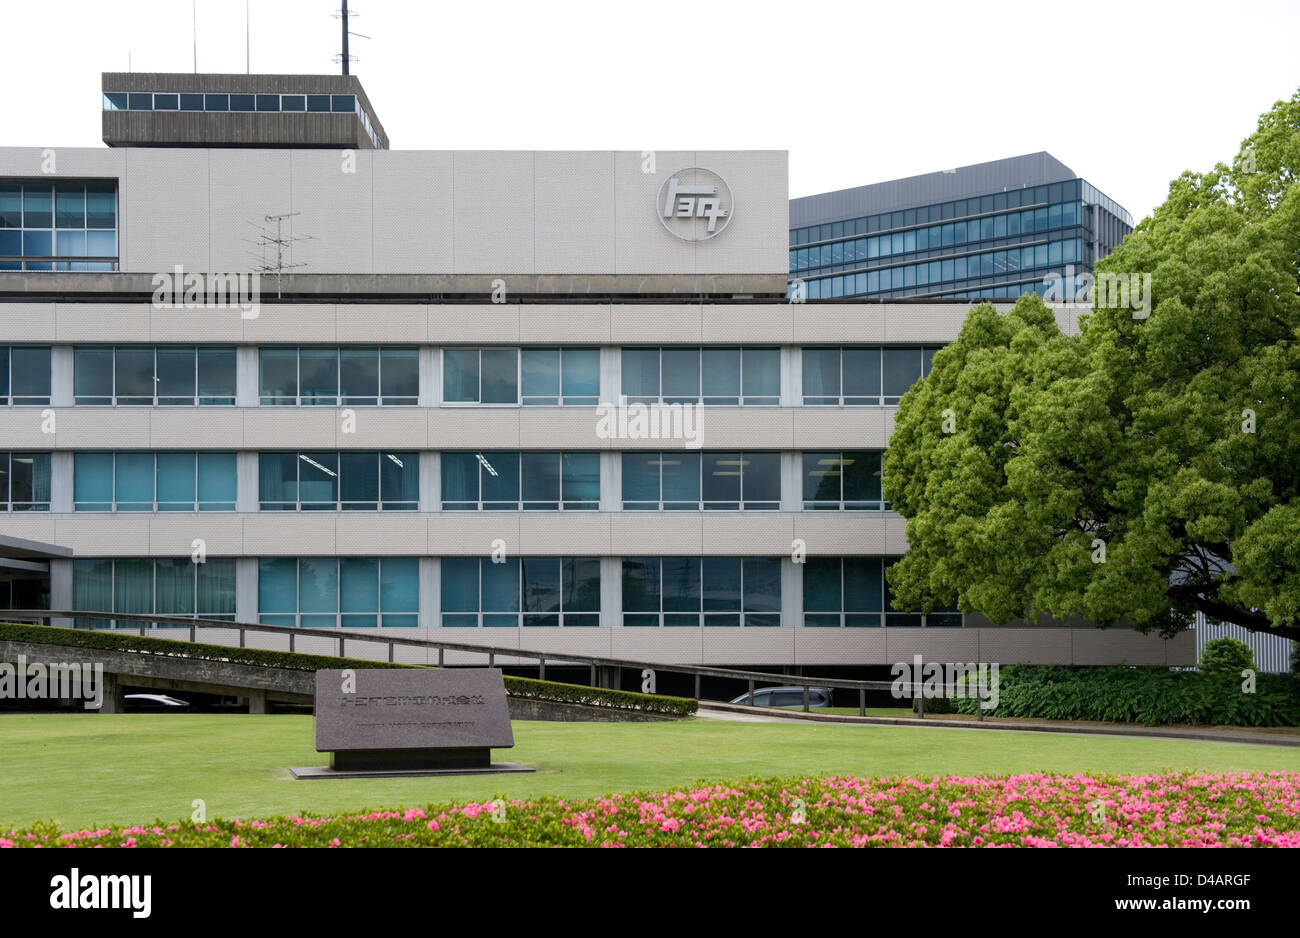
pixel 554 400
pixel 989 231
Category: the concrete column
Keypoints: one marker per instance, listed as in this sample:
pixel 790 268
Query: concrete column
pixel 611 373
pixel 430 592
pixel 791 593
pixel 430 376
pixel 257 702
pixel 248 481
pixel 611 481
pixel 791 376
pixel 113 701
pixel 791 481
pixel 611 592
pixel 61 589
pixel 245 589
pixel 430 480
pixel 61 481
pixel 61 376
pixel 247 380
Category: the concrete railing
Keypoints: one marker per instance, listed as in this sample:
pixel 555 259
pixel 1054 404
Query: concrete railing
pixel 292 633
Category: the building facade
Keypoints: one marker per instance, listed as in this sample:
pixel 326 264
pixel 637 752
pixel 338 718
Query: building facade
pixel 989 231
pixel 548 400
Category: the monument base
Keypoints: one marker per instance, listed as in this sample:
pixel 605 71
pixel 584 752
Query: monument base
pixel 325 771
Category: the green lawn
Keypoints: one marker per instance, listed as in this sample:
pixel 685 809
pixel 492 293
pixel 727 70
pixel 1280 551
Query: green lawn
pixel 81 769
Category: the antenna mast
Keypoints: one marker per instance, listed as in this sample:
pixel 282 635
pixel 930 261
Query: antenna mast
pixel 345 58
pixel 275 241
pixel 344 20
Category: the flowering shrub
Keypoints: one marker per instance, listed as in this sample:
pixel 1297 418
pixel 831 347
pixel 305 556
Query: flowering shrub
pixel 1038 810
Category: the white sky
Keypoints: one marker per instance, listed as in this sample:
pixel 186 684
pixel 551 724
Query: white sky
pixel 1127 94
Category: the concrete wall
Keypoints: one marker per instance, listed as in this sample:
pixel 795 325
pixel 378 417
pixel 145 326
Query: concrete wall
pixel 463 212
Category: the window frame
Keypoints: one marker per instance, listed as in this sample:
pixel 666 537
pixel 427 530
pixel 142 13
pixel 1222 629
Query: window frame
pixel 198 505
pixel 171 400
pixel 7 502
pixel 340 615
pixel 744 617
pixel 701 504
pixel 565 618
pixel 338 503
pixel 483 459
pixel 7 397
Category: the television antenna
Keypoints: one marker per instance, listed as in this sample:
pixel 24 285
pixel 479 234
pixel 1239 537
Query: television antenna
pixel 273 245
pixel 344 16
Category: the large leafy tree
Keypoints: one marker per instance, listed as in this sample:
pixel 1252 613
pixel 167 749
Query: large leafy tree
pixel 1146 468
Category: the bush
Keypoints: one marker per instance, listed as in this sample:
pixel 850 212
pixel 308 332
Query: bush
pixel 1227 656
pixel 1150 696
pixel 265 658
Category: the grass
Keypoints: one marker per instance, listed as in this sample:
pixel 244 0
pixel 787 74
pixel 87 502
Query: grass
pixel 84 769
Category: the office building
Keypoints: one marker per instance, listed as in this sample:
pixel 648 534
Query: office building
pixel 548 400
pixel 990 231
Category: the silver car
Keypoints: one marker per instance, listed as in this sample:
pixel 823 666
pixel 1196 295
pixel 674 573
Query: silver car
pixel 786 697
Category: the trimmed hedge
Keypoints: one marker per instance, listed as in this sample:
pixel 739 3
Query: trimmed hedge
pixel 599 696
pixel 296 661
pixel 1150 696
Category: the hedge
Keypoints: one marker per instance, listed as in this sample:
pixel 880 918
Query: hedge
pixel 1150 696
pixel 267 658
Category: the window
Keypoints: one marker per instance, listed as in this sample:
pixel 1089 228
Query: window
pixel 682 481
pixel 702 375
pixel 852 592
pixel 514 481
pixel 146 375
pixel 347 592
pixel 24 481
pixel 560 376
pixel 480 376
pixel 532 591
pixel 58 226
pixel 24 375
pixel 862 375
pixel 844 480
pixel 694 591
pixel 332 376
pixel 334 481
pixel 135 481
pixel 163 587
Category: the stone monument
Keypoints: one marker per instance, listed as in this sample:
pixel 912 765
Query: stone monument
pixel 411 721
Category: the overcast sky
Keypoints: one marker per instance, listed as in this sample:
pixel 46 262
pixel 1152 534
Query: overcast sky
pixel 1127 94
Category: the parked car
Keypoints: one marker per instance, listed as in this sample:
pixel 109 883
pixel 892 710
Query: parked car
pixel 786 697
pixel 155 702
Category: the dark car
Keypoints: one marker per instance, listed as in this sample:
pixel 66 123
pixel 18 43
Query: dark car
pixel 786 697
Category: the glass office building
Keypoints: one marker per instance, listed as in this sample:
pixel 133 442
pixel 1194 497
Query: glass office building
pixel 988 231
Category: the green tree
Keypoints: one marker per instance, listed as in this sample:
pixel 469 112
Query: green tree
pixel 1146 468
pixel 1226 656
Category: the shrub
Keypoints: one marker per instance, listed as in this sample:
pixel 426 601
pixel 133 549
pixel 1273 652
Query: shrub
pixel 1226 656
pixel 1031 810
pixel 1150 696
